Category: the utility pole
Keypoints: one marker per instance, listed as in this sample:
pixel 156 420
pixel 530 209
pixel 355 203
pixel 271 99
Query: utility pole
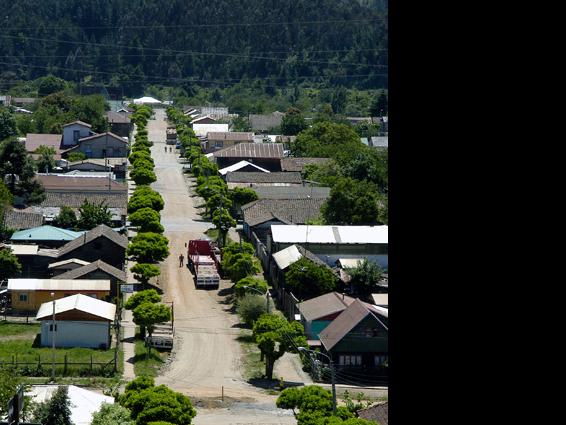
pixel 53 340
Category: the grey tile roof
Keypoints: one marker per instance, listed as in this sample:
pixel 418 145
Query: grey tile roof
pixel 95 265
pixel 260 177
pixel 252 150
pixel 291 192
pixel 298 164
pixel 98 231
pixel 230 135
pixel 76 199
pixel 19 220
pixel 35 140
pixel 65 183
pixel 379 413
pixel 296 211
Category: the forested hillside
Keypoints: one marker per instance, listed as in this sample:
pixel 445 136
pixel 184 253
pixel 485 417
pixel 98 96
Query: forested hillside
pixel 133 43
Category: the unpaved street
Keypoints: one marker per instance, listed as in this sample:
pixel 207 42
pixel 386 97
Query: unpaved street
pixel 206 354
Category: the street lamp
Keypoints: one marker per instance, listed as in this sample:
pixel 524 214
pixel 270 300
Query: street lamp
pixel 261 293
pixel 309 352
pixel 53 341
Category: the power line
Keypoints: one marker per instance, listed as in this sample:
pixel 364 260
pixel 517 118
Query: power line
pixel 190 53
pixel 217 25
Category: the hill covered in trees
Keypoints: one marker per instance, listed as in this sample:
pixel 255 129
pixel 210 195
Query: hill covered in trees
pixel 130 44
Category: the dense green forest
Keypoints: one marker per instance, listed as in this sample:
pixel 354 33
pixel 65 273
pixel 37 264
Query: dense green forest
pixel 130 45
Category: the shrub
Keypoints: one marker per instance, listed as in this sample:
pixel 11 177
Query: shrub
pixel 250 308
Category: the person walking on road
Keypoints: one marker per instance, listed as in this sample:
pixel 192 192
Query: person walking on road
pixel 165 149
pixel 170 149
pixel 181 259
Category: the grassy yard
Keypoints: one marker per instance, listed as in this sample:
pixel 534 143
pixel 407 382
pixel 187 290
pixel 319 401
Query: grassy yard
pixel 19 345
pixel 145 366
pixel 253 367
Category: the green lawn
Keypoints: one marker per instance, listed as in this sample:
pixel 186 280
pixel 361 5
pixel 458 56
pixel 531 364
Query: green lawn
pixel 253 367
pixel 145 366
pixel 19 345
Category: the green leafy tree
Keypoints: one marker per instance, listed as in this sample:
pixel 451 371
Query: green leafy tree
pixel 216 201
pixel 147 315
pixel 112 414
pixel 148 247
pixel 92 215
pixel 9 264
pixel 380 106
pixel 241 265
pixel 91 109
pixel 307 279
pixel 242 196
pixel 9 383
pixel 143 272
pixel 328 140
pixel 46 160
pixel 369 164
pixel 142 154
pixel 76 156
pixel 325 175
pixel 8 125
pixel 365 278
pixel 145 197
pixel 249 285
pixel 339 99
pixel 366 129
pixel 147 219
pixel 222 219
pixel 19 170
pixel 50 84
pixel 143 176
pixel 6 197
pixel 275 336
pixel 153 404
pixel 250 307
pixel 66 219
pixel 142 297
pixel 57 410
pixel 352 202
pixel 293 122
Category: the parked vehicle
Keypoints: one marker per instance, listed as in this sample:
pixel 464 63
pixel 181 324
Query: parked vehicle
pixel 204 262
pixel 162 336
pixel 171 136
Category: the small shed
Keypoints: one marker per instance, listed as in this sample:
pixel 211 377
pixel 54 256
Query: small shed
pixel 80 321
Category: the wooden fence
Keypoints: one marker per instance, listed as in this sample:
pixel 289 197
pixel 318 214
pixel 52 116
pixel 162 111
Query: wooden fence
pixel 41 366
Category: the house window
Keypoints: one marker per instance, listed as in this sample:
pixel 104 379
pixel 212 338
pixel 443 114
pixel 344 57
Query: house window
pixel 218 144
pixel 350 360
pixel 76 135
pixel 24 298
pixel 51 328
pixel 379 360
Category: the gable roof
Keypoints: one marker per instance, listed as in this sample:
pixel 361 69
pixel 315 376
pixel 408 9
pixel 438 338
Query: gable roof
pixel 78 302
pixel 35 140
pixel 324 305
pixel 261 177
pixel 348 320
pixel 298 164
pixel 45 233
pixel 239 165
pixel 118 117
pixel 208 118
pixel 288 210
pixel 252 150
pixel 230 135
pixel 73 183
pixel 18 220
pixel 114 199
pixel 379 413
pixel 105 134
pixel 99 231
pixel 95 265
pixel 291 192
pixel 58 264
pixel 78 122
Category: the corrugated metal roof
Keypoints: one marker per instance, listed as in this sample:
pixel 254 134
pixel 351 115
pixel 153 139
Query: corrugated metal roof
pixel 262 177
pixel 46 233
pixel 58 284
pixel 324 305
pixel 287 256
pixel 330 234
pixel 78 302
pixel 239 165
pixel 252 150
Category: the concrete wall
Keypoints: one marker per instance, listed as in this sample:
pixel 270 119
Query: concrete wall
pixel 76 334
pixel 68 139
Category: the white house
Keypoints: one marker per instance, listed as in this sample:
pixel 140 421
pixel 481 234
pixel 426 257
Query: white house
pixel 80 321
pixel 74 131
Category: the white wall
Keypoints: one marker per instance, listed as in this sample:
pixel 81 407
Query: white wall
pixel 68 133
pixel 75 333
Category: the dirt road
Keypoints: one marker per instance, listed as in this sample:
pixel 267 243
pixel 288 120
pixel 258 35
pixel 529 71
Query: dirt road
pixel 206 354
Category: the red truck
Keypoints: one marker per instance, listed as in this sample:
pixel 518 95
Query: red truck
pixel 204 261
